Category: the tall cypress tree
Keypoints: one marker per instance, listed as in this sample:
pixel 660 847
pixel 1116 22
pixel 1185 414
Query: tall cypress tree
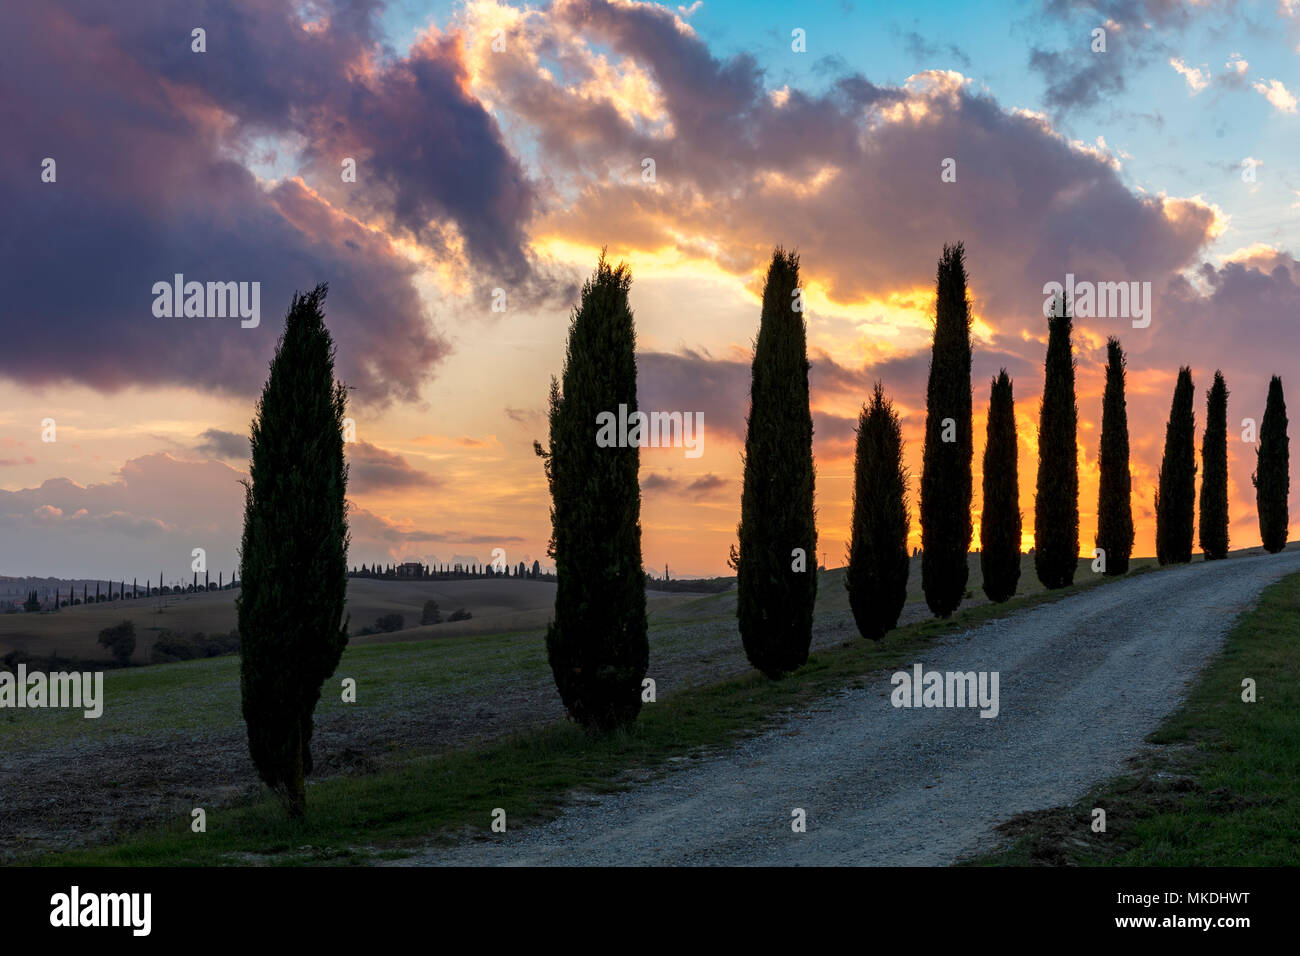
pixel 775 561
pixel 293 557
pixel 1000 521
pixel 597 644
pixel 876 578
pixel 1176 493
pixel 1056 501
pixel 1114 493
pixel 946 464
pixel 1214 472
pixel 1272 479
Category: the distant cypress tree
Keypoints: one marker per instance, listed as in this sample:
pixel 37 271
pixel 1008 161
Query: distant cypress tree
pixel 1214 472
pixel 1114 492
pixel 946 465
pixel 1056 503
pixel 1176 495
pixel 597 644
pixel 1000 521
pixel 293 557
pixel 876 578
pixel 776 587
pixel 1272 479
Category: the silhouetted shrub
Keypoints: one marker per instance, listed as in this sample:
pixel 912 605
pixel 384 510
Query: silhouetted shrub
pixel 430 614
pixel 120 641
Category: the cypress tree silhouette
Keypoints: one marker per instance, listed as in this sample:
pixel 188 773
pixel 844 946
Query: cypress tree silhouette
pixel 1272 479
pixel 1000 522
pixel 878 566
pixel 1056 501
pixel 946 464
pixel 293 557
pixel 1176 495
pixel 1214 472
pixel 1114 504
pixel 776 587
pixel 597 644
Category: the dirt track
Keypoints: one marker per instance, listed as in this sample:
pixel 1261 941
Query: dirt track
pixel 1082 682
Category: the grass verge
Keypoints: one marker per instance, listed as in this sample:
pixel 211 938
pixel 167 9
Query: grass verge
pixel 1220 786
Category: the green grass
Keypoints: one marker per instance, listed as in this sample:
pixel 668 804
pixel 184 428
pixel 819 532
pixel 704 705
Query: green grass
pixel 203 695
pixel 1220 788
pixel 355 818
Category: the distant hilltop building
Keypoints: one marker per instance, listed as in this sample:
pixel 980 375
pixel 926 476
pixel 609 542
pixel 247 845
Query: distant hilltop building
pixel 410 569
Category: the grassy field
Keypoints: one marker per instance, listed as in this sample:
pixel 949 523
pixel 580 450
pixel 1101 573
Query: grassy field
pixel 498 606
pixel 422 796
pixel 1220 786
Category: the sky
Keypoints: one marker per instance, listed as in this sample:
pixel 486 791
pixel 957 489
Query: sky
pixel 499 147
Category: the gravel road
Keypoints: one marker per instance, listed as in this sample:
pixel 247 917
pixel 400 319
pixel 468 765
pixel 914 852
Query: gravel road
pixel 1082 681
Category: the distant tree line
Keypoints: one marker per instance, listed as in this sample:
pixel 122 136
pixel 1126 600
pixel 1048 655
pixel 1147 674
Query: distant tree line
pixel 109 591
pixel 416 571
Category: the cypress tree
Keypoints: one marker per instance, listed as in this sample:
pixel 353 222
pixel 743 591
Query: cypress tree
pixel 1272 478
pixel 1000 522
pixel 1176 493
pixel 946 465
pixel 778 532
pixel 1114 493
pixel 293 557
pixel 597 644
pixel 878 566
pixel 1214 472
pixel 1056 502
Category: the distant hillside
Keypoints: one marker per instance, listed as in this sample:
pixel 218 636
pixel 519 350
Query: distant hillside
pixel 497 606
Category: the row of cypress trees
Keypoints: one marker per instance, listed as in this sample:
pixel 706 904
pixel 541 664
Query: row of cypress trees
pixel 877 569
pixel 294 548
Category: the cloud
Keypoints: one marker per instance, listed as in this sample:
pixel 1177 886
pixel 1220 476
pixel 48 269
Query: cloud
pixel 703 486
pixel 921 49
pixel 371 532
pixel 528 418
pixel 373 469
pixel 1197 79
pixel 694 381
pixel 148 518
pixel 731 160
pixel 707 484
pixel 163 183
pixel 1278 96
pixel 222 444
pixel 1137 32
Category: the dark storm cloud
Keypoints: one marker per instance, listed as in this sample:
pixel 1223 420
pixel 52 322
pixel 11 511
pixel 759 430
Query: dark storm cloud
pixel 222 444
pixel 147 137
